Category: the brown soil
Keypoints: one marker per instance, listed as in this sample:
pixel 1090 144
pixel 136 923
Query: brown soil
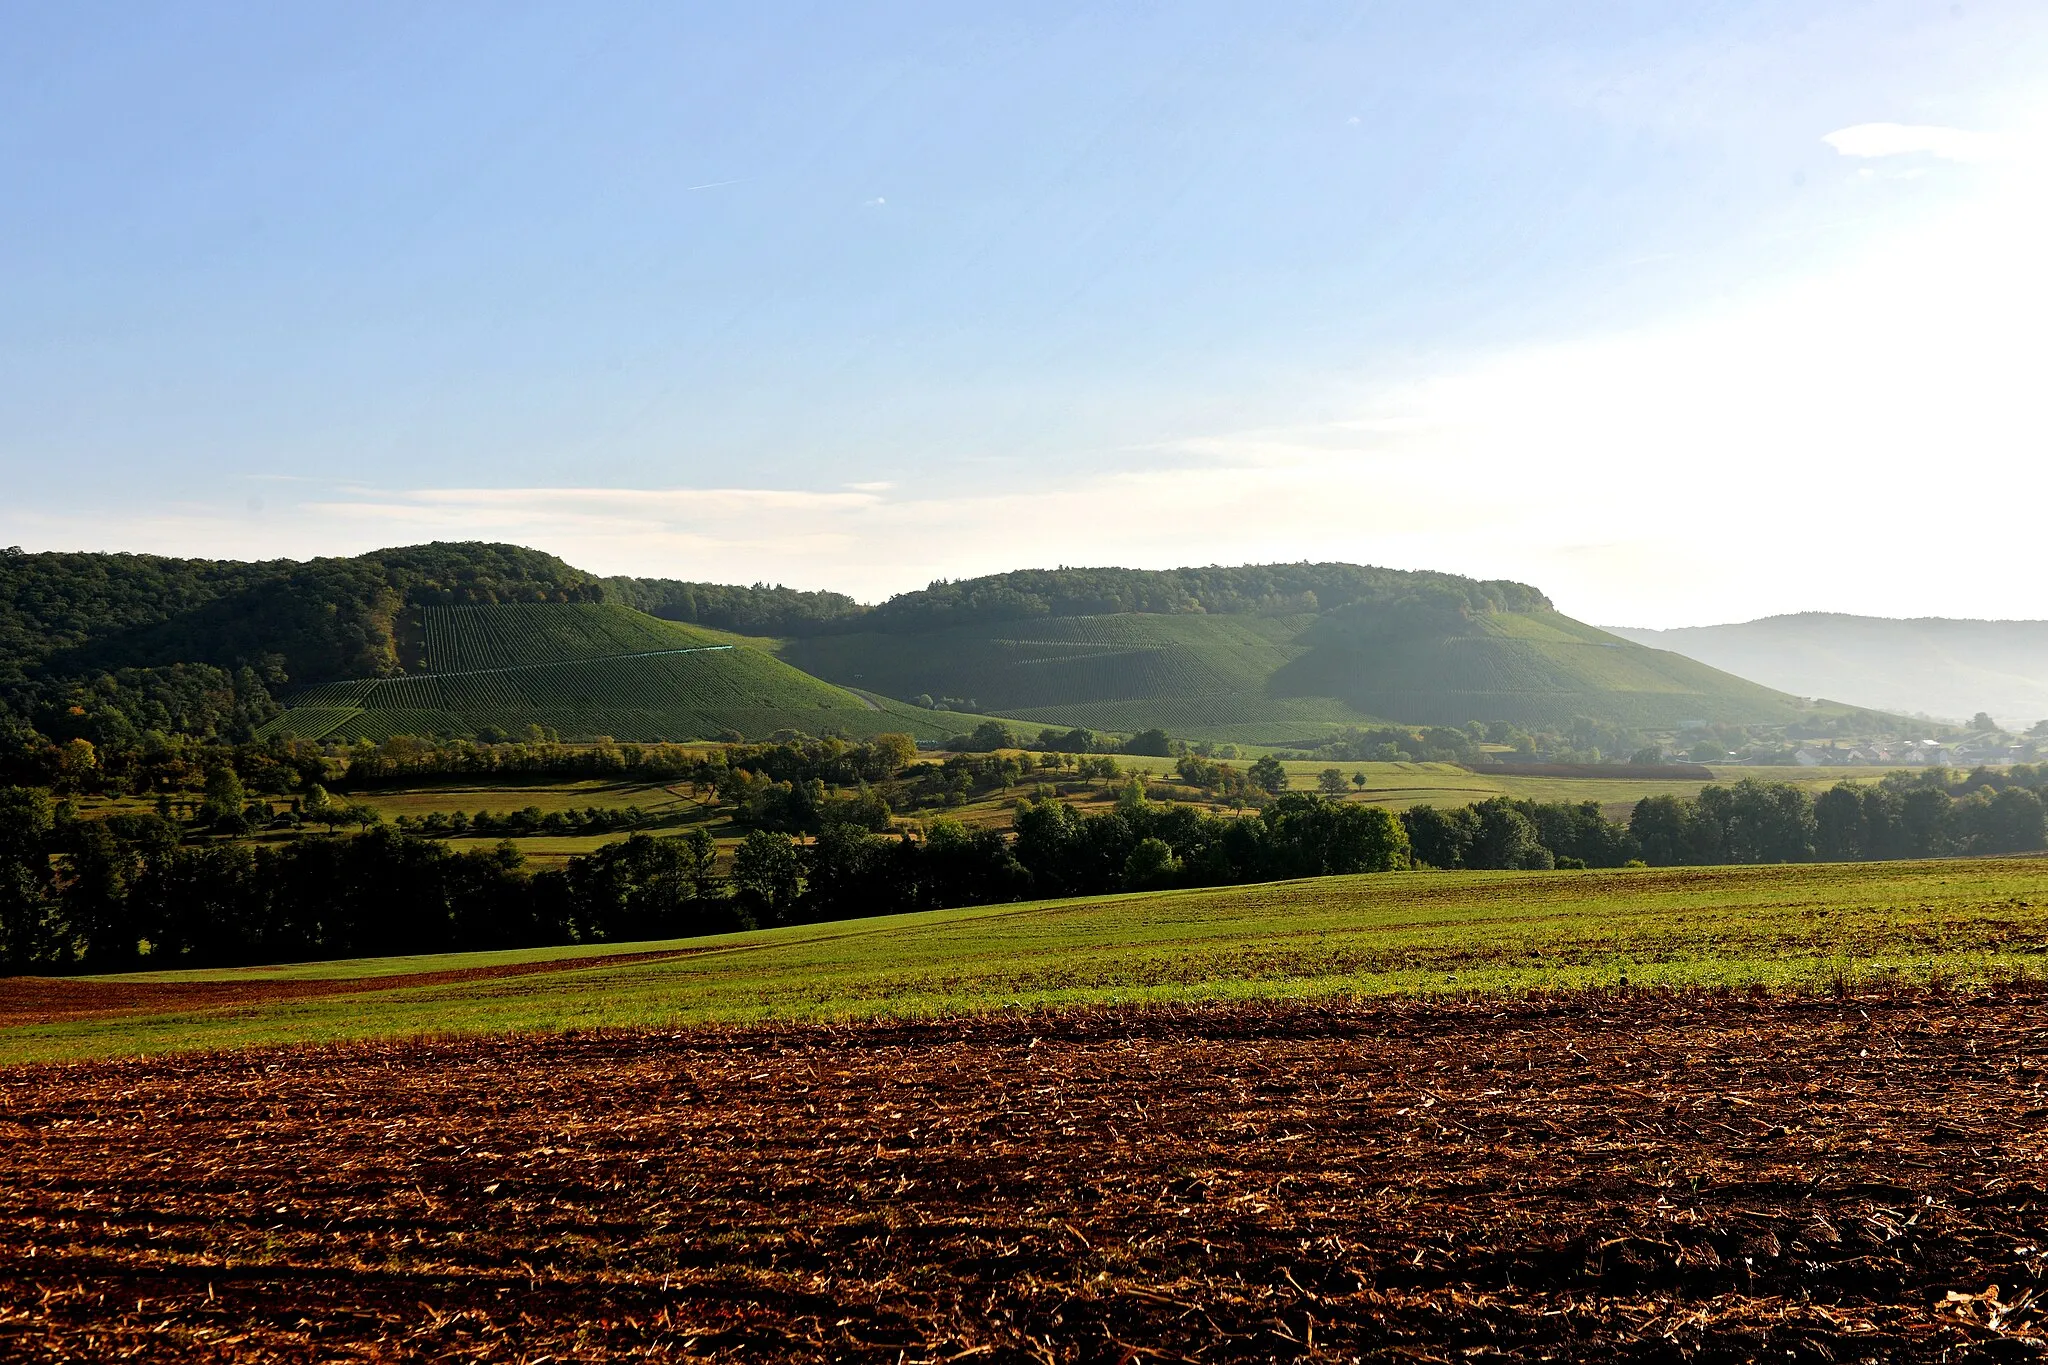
pixel 1634 1179
pixel 48 999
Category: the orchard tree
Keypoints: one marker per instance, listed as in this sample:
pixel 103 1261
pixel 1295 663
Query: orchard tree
pixel 224 797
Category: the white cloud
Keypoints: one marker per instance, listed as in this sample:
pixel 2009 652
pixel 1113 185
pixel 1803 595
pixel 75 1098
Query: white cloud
pixel 1907 139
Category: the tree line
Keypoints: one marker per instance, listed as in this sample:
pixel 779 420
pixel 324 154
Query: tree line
pixel 1213 590
pixel 762 609
pixel 280 766
pixel 1932 813
pixel 133 890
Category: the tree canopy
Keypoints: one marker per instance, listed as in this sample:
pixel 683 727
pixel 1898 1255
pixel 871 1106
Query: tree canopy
pixel 1216 590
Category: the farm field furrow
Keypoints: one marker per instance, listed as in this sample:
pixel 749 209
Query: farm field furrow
pixel 1584 1179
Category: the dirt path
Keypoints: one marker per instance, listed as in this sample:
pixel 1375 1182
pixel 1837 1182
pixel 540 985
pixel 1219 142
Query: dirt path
pixel 1633 1179
pixel 50 999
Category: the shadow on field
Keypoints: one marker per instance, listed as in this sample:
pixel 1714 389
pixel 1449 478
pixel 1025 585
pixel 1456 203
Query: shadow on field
pixel 54 999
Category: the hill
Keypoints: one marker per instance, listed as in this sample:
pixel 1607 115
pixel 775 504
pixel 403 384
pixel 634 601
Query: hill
pixel 1270 654
pixel 1931 666
pixel 470 637
pixel 107 647
pixel 590 669
pixel 449 638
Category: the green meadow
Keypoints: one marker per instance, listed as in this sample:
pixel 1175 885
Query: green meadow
pixel 1795 928
pixel 1398 786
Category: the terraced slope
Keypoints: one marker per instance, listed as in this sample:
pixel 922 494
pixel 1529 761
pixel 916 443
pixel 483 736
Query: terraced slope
pixel 1269 679
pixel 460 639
pixel 1538 667
pixel 584 670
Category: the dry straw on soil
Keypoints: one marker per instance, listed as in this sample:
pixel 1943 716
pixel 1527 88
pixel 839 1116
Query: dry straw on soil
pixel 1604 1178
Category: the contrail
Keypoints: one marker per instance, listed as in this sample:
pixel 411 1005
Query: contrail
pixel 714 184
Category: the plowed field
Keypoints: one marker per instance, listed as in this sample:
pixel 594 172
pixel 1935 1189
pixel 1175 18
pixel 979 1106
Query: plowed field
pixel 1624 1177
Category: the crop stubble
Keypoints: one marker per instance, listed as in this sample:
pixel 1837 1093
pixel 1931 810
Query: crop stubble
pixel 1629 1176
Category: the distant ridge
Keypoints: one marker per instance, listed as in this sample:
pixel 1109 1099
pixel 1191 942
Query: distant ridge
pixel 1942 667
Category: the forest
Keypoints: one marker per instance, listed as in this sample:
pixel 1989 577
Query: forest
pixel 1240 590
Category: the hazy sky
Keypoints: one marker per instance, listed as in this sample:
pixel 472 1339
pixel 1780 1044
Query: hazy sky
pixel 1684 313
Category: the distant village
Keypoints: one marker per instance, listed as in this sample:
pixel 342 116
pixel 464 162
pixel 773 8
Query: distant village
pixel 1972 752
pixel 1982 743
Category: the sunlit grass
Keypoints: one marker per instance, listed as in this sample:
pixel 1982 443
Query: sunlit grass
pixel 1405 933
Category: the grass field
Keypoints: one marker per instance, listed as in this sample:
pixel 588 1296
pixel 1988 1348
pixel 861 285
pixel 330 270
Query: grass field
pixel 1398 786
pixel 500 800
pixel 1402 933
pixel 1279 679
pixel 1393 785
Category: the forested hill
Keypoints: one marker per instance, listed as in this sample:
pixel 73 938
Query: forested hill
pixel 109 645
pixel 762 609
pixel 1026 594
pixel 1244 590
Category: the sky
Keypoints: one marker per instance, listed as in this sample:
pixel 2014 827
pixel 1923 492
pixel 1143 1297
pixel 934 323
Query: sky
pixel 1684 314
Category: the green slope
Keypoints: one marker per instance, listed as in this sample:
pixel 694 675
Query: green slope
pixel 1796 927
pixel 584 670
pixel 108 647
pixel 1268 679
pixel 111 647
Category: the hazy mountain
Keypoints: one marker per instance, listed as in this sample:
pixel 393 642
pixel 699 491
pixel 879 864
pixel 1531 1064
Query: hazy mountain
pixel 1933 666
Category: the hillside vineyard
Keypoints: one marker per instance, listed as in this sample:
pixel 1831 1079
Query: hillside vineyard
pixel 477 640
pixel 583 669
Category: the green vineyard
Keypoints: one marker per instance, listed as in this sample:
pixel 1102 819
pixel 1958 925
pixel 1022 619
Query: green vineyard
pixel 1273 679
pixel 586 669
pixel 461 639
pixel 583 671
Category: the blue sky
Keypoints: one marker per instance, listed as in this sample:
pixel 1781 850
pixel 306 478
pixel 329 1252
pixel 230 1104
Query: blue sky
pixel 860 296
